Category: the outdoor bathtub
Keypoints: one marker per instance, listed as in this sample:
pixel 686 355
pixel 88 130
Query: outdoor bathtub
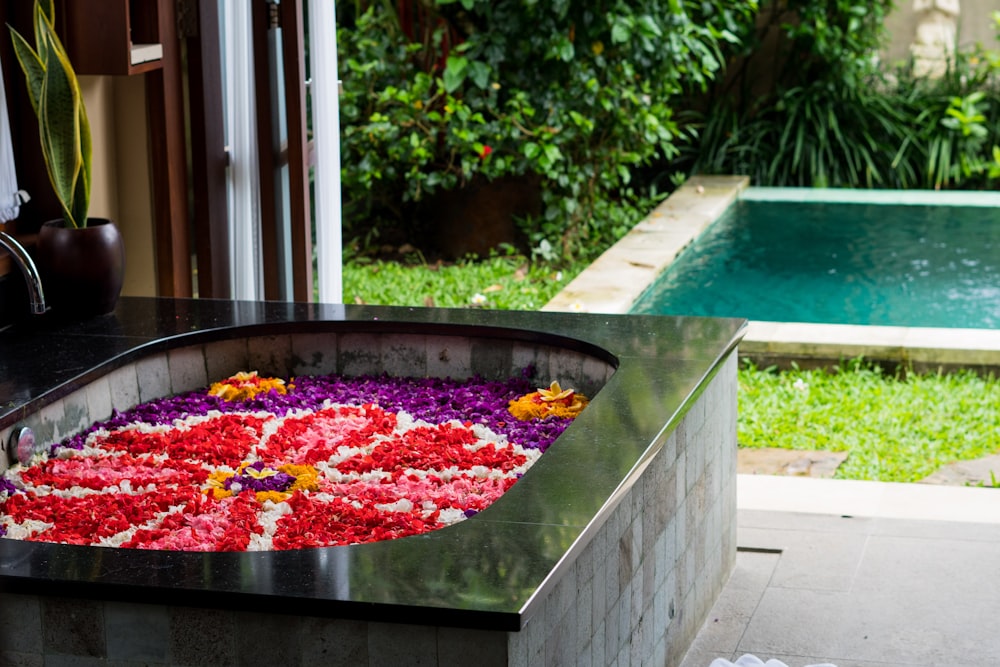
pixel 614 545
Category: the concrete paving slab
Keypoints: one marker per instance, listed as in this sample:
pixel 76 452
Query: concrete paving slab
pixel 886 625
pixel 799 521
pixel 940 571
pixel 869 499
pixel 812 559
pixel 721 634
pixel 891 586
pixel 938 530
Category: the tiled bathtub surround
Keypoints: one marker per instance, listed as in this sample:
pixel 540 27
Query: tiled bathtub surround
pixel 610 550
pixel 636 594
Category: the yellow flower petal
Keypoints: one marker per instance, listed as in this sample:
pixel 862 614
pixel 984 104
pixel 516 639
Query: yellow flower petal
pixel 554 392
pixel 260 474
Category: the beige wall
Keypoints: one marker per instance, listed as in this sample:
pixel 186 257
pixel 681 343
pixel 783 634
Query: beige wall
pixel 974 25
pixel 121 186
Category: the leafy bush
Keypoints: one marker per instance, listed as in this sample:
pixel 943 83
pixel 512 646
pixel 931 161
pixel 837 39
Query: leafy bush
pixel 828 115
pixel 957 124
pixel 441 93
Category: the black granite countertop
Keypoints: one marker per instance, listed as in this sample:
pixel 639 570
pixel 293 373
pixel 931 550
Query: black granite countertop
pixel 484 572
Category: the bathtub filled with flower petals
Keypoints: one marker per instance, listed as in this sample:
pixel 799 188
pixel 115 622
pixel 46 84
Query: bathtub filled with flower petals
pixel 614 543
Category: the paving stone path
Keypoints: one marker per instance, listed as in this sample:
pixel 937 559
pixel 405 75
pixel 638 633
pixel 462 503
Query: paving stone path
pixel 978 472
pixel 775 461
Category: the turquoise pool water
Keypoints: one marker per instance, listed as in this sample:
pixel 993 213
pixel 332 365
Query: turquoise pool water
pixel 924 265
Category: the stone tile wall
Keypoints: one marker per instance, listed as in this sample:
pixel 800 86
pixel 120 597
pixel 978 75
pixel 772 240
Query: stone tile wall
pixel 640 591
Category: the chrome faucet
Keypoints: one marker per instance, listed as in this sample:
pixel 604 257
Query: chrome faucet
pixel 36 295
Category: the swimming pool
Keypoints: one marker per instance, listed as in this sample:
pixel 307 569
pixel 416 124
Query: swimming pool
pixel 906 259
pixel 616 281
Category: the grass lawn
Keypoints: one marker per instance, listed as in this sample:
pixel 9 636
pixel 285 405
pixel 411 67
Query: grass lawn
pixel 501 282
pixel 895 428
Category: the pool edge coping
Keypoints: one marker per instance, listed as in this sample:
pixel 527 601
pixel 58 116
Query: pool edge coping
pixel 616 279
pixel 613 283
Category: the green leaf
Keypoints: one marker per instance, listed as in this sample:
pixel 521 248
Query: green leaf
pixel 566 50
pixel 621 32
pixel 62 120
pixel 49 10
pixel 64 131
pixel 454 73
pixel 31 65
pixel 479 72
pixel 649 26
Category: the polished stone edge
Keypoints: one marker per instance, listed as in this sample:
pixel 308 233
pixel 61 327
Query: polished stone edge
pixel 860 196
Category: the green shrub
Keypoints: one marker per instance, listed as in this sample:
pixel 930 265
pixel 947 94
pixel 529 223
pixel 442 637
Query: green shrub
pixel 439 93
pixel 957 123
pixel 803 105
pixel 809 105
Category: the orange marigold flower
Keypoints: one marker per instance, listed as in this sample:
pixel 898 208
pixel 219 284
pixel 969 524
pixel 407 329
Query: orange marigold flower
pixel 554 401
pixel 245 385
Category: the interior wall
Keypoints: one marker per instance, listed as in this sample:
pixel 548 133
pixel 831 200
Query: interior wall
pixel 134 183
pixel 121 187
pixel 98 97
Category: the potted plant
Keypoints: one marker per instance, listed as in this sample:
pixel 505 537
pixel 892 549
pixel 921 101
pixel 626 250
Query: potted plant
pixel 82 259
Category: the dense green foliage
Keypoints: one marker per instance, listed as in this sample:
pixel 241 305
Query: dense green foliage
pixel 820 110
pixel 439 94
pixel 896 428
pixel 606 105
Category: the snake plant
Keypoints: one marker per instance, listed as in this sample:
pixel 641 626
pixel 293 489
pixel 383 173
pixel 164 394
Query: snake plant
pixel 62 119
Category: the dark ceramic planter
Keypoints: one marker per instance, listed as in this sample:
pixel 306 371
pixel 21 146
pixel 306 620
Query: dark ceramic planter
pixel 82 268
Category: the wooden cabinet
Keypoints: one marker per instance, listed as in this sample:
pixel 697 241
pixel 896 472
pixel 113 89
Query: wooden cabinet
pixel 117 37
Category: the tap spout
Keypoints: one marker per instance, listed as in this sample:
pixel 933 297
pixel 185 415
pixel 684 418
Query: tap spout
pixel 36 295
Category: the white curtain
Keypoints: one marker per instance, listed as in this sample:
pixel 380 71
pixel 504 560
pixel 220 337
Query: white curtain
pixel 241 136
pixel 326 133
pixel 10 198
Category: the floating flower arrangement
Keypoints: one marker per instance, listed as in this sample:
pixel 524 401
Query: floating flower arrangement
pixel 255 463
